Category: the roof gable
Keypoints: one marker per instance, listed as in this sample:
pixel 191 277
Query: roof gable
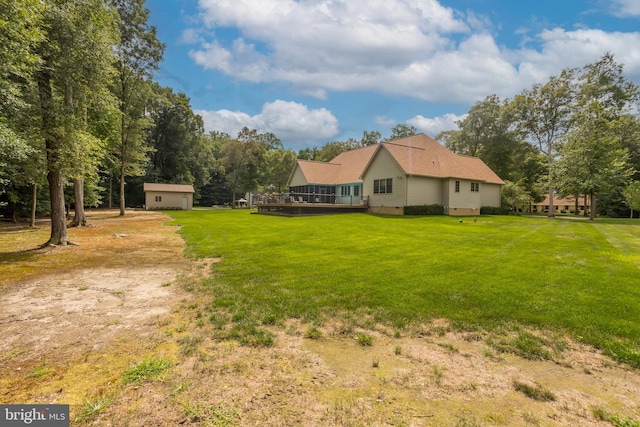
pixel 346 167
pixel 423 156
pixel 168 188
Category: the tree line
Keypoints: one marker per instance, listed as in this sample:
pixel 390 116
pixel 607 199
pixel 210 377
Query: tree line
pixel 577 134
pixel 82 122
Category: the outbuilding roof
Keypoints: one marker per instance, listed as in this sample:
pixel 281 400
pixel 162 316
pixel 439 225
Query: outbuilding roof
pixel 169 188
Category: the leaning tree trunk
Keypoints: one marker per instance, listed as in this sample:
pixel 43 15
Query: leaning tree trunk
pixel 79 218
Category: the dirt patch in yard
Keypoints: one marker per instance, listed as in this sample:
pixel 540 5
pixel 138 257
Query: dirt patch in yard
pixel 76 319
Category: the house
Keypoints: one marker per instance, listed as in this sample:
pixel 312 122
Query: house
pixel 410 171
pixel 168 196
pixel 561 205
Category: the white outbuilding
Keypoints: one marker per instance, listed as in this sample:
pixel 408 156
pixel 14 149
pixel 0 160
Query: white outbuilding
pixel 168 196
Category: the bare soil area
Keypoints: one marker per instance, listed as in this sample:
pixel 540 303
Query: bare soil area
pixel 75 319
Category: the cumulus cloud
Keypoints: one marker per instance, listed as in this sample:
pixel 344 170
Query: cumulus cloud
pixel 294 123
pixel 433 126
pixel 625 8
pixel 415 48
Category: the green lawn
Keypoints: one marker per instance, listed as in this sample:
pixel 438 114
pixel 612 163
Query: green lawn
pixel 572 276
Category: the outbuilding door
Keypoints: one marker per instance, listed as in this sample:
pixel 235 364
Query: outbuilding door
pixel 185 203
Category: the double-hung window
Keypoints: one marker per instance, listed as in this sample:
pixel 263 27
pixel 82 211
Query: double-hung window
pixel 383 186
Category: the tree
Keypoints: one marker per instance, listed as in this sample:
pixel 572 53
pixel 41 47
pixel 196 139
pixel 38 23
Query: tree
pixel 401 131
pixel 591 160
pixel 21 32
pixel 278 165
pixel 543 114
pixel 370 138
pixel 243 160
pixel 487 132
pixel 632 196
pixel 137 55
pixel 595 160
pixel 71 57
pixel 515 196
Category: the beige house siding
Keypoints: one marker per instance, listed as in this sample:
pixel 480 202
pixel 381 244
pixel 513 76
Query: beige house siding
pixel 464 201
pixel 297 178
pixel 489 194
pixel 424 191
pixel 383 166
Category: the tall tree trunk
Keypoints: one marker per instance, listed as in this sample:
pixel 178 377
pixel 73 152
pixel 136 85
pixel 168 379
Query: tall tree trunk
pixel 79 218
pixel 34 201
pixel 577 205
pixel 592 214
pixel 551 212
pixel 59 234
pixel 586 205
pixel 123 159
pixel 110 203
pixel 122 189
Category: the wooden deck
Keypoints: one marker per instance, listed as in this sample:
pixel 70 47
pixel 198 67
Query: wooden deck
pixel 300 209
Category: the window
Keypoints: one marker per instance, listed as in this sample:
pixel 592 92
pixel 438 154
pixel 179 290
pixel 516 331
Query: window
pixel 475 187
pixel 158 198
pixel 345 191
pixel 356 190
pixel 457 186
pixel 383 186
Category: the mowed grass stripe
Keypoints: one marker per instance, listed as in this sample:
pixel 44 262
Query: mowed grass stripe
pixel 572 276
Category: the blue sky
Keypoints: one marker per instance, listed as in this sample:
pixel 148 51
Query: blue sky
pixel 315 71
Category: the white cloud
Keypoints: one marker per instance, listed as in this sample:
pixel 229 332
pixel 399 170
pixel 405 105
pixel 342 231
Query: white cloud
pixel 433 126
pixel 385 121
pixel 295 124
pixel 415 48
pixel 625 8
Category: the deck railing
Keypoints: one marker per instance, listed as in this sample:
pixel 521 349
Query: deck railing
pixel 312 198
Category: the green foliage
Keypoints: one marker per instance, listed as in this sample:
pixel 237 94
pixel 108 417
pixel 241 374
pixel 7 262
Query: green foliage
pixel 424 210
pixel 515 197
pixel 313 333
pixel 632 195
pixel 524 344
pixel 492 210
pixel 94 406
pixel 536 392
pixel 614 419
pixel 149 368
pixel 364 340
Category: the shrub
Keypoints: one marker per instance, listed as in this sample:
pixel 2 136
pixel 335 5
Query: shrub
pixel 492 210
pixel 424 210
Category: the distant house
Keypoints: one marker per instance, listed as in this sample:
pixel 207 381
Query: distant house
pixel 562 205
pixel 410 171
pixel 168 196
